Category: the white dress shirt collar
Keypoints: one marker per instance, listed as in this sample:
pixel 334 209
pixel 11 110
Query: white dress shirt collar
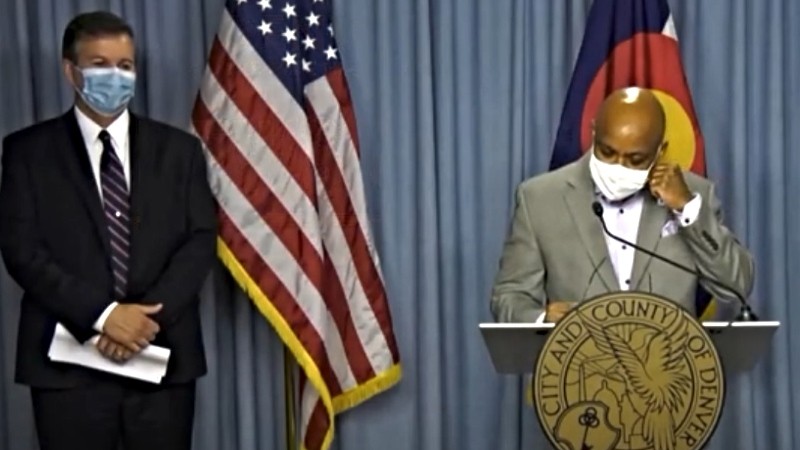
pixel 118 129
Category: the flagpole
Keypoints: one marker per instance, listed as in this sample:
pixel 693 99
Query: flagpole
pixel 288 389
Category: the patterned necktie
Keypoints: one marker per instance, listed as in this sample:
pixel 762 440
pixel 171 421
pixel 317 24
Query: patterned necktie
pixel 116 207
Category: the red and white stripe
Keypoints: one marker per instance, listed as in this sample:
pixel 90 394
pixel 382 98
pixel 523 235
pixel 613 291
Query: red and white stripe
pixel 287 179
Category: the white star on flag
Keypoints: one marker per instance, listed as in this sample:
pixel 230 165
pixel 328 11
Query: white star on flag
pixel 289 11
pixel 290 35
pixel 330 52
pixel 265 27
pixel 264 4
pixel 308 42
pixel 313 19
pixel 290 59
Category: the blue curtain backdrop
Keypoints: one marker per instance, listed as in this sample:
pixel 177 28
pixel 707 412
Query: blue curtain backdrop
pixel 457 101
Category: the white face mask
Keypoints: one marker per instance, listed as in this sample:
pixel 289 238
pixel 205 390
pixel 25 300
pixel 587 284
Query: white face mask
pixel 616 181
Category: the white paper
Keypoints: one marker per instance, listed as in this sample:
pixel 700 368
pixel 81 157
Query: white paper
pixel 148 365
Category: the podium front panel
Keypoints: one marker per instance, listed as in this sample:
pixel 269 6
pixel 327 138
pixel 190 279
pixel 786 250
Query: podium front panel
pixel 514 347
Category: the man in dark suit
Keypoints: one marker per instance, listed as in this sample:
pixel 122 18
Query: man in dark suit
pixel 108 224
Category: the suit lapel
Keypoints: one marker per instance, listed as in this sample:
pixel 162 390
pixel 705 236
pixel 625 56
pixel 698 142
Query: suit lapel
pixel 79 170
pixel 653 219
pixel 141 147
pixel 579 198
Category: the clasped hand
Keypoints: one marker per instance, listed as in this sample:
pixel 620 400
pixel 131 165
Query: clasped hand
pixel 128 330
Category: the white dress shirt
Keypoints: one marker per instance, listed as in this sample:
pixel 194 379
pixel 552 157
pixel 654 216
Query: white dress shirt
pixel 119 130
pixel 622 219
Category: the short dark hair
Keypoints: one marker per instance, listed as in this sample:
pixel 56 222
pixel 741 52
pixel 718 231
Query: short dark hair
pixel 91 24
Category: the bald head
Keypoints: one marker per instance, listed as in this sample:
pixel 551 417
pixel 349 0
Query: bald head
pixel 629 128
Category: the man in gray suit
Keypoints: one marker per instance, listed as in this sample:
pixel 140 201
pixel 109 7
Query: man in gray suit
pixel 556 253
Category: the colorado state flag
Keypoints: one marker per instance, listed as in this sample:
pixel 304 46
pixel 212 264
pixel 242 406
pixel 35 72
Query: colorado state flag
pixel 632 43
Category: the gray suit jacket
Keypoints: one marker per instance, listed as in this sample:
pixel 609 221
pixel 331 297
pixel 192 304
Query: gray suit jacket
pixel 555 249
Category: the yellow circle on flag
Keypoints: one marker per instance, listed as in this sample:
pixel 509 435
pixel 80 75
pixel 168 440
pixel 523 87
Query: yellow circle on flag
pixel 679 134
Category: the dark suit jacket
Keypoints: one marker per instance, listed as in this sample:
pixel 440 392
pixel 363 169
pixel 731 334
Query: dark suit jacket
pixel 55 243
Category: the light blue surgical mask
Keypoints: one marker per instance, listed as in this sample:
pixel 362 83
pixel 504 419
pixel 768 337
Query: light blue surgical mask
pixel 107 90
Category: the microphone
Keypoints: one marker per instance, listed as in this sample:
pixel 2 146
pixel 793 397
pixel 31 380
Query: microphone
pixel 745 313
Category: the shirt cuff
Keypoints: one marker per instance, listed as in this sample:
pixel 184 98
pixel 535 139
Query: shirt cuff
pixel 690 211
pixel 101 321
pixel 540 319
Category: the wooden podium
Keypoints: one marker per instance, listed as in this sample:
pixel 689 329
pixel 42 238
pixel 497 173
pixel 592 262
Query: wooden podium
pixel 628 371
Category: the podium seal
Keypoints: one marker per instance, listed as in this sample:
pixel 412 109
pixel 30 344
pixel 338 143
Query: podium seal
pixel 630 371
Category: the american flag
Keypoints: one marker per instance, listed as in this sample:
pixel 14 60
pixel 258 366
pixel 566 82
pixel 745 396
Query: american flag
pixel 275 115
